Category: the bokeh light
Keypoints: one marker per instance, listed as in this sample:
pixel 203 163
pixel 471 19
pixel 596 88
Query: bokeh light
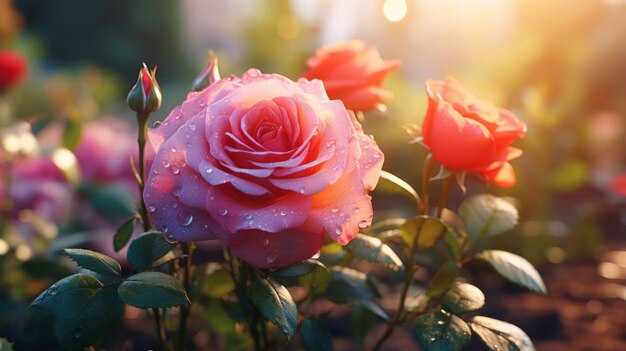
pixel 394 10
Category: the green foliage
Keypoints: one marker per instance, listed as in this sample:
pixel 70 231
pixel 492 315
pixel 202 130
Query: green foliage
pixel 463 297
pixel 310 273
pixel 152 290
pixel 275 303
pixel 425 231
pixel 441 331
pixel 373 250
pixel 72 132
pixel 442 279
pixel 218 283
pixel 501 336
pixel 95 261
pixel 147 248
pixel 111 201
pixel 82 307
pixel 514 268
pixel 123 234
pixel 5 345
pixel 349 285
pixel 315 335
pixel 486 215
pixel 391 184
pixel 361 321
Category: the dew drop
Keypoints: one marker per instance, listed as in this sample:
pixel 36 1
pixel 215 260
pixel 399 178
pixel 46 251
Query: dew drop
pixel 283 213
pixel 433 339
pixel 174 150
pixel 264 241
pixel 164 228
pixel 156 124
pixel 334 209
pixel 176 192
pixel 270 258
pixel 376 155
pixel 330 143
pixel 165 163
pixel 184 218
pixel 247 216
pixel 170 237
pixel 192 126
pixel 175 169
pixel 253 72
pixel 223 212
pixel 301 190
pixel 441 322
pixel 78 333
pixel 53 290
pixel 208 170
pixel 363 224
pixel 338 231
pixel 151 209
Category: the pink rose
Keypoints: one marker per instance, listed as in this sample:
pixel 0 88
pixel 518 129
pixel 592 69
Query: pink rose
pixel 264 164
pixel 353 73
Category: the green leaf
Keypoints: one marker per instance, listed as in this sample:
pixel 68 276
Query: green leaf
pixel 514 268
pixel 315 335
pixel 311 274
pixel 123 234
pixel 361 321
pixel 332 254
pixel 72 133
pixel 5 345
pixel 501 336
pixel 275 303
pixel 441 331
pixel 375 308
pixel 111 201
pixel 463 297
pixel 83 309
pixel 94 261
pixel 417 300
pixel 443 278
pixel 391 184
pixel 152 290
pixel 349 285
pixel 370 249
pixel 218 283
pixel 427 229
pixel 487 215
pixel 147 248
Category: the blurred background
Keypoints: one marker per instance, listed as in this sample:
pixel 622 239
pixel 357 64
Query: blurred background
pixel 559 65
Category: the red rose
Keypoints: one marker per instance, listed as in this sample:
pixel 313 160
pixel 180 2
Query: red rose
pixel 264 164
pixel 467 133
pixel 352 73
pixel 12 69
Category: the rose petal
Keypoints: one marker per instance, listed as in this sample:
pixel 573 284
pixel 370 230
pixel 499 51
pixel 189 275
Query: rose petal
pixel 235 213
pixel 272 250
pixel 371 160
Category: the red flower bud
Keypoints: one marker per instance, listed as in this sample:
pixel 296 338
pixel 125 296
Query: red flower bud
pixel 12 69
pixel 208 76
pixel 145 95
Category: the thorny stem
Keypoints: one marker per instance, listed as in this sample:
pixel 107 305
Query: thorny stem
pixel 443 197
pixel 188 248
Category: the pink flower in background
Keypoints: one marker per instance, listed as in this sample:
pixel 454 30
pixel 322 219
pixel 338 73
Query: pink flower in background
pixel 266 165
pixel 618 185
pixel 13 68
pixel 353 73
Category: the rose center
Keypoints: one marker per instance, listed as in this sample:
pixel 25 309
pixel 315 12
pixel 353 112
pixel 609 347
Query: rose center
pixel 272 136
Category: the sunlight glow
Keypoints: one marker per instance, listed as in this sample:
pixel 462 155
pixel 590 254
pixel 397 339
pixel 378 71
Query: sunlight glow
pixel 64 159
pixel 4 247
pixel 394 10
pixel 288 27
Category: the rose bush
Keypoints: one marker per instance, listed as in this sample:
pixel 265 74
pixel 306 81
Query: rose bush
pixel 353 73
pixel 12 69
pixel 464 132
pixel 264 164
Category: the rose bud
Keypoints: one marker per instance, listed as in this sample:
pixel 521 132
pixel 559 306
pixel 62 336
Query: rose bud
pixel 12 69
pixel 266 165
pixel 353 73
pixel 208 76
pixel 464 132
pixel 145 95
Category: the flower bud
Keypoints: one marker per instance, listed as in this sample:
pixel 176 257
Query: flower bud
pixel 208 76
pixel 145 95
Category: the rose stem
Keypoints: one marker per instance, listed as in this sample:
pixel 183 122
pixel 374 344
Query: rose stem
pixel 429 166
pixel 142 132
pixel 443 196
pixel 188 248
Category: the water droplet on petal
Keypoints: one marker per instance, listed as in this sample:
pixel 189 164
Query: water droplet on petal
pixel 165 163
pixel 53 290
pixel 151 209
pixel 264 241
pixel 164 228
pixel 301 190
pixel 363 224
pixel 247 216
pixel 270 258
pixel 253 72
pixel 78 333
pixel 192 126
pixel 176 192
pixel 175 169
pixel 170 238
pixel 334 209
pixel 223 212
pixel 338 231
pixel 330 143
pixel 174 150
pixel 208 170
pixel 184 218
pixel 283 213
pixel 441 322
pixel 376 155
pixel 156 124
